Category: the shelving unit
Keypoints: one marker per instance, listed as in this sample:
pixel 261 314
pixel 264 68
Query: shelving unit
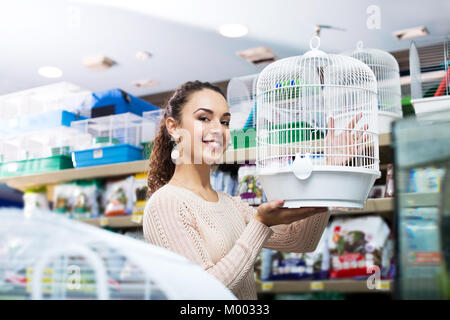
pixel 379 206
pixel 239 156
pixel 344 285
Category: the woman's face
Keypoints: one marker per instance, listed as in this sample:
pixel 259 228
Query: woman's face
pixel 205 132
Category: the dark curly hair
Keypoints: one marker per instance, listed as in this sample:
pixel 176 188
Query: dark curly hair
pixel 161 167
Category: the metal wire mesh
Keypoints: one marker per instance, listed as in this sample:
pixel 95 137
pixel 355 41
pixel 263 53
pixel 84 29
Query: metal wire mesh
pixel 45 256
pixel 429 68
pixel 387 72
pixel 319 105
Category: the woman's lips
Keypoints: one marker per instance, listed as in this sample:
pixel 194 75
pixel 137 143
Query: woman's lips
pixel 213 144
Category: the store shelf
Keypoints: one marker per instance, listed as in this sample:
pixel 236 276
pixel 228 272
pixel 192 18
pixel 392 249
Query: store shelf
pixel 132 167
pixel 382 205
pixel 114 222
pixel 353 286
pixel 412 200
pixel 54 177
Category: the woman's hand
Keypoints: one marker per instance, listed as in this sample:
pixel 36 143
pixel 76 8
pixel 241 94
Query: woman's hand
pixel 341 148
pixel 272 213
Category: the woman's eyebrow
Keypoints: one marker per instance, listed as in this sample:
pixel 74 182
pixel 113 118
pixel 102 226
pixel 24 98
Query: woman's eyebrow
pixel 204 109
pixel 211 112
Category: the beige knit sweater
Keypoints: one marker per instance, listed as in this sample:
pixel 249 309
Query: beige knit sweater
pixel 223 237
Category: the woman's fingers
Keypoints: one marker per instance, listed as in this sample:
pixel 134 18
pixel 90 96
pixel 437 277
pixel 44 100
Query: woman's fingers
pixel 355 120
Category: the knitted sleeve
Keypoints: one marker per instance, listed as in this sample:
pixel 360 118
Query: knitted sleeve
pixel 170 224
pixel 299 236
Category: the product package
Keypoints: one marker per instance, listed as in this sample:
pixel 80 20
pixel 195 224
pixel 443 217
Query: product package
pixel 377 192
pixel 250 188
pixel 35 199
pixel 78 199
pixel 389 193
pixel 140 196
pixel 422 242
pixel 278 265
pixel 355 245
pixel 86 199
pixel 118 197
pixel 426 179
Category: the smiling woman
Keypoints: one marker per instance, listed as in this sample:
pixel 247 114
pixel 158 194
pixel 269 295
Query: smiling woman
pixel 185 214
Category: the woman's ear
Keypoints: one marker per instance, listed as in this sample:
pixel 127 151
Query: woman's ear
pixel 171 125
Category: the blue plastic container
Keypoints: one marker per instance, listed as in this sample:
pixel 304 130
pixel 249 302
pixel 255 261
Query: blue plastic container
pixel 117 101
pixel 36 122
pixel 107 155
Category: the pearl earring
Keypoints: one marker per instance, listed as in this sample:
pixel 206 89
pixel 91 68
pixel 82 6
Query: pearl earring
pixel 175 154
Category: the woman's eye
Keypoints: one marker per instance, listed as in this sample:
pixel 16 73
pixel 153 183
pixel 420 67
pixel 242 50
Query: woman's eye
pixel 203 119
pixel 226 123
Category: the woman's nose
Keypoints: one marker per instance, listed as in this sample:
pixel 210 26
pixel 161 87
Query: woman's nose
pixel 216 126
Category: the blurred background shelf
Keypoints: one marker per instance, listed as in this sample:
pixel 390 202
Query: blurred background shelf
pixel 426 199
pixel 114 222
pixel 351 286
pixel 380 206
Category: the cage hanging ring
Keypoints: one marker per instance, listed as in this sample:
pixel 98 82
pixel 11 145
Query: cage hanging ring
pixel 311 43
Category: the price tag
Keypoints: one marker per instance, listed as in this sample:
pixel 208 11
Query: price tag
pixel 316 285
pixel 98 153
pixel 136 218
pixel 266 286
pixel 383 285
pixel 103 222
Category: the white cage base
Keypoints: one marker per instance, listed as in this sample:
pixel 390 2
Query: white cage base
pixel 324 188
pixel 385 120
pixel 425 106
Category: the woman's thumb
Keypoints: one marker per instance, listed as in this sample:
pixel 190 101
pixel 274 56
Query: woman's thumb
pixel 275 204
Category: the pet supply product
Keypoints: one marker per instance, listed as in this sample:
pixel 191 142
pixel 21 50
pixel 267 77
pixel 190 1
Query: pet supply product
pixel 249 188
pixel 35 199
pixel 277 265
pixel 118 197
pixel 355 245
pixel 140 196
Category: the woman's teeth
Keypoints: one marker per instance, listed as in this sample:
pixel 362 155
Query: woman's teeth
pixel 212 144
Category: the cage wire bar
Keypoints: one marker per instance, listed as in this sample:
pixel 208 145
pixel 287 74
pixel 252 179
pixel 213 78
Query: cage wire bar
pixel 46 256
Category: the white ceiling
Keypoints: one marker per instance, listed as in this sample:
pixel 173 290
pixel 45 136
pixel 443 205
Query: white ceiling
pixel 182 36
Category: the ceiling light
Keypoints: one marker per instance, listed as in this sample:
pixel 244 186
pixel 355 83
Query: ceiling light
pixel 233 30
pixel 411 33
pixel 50 72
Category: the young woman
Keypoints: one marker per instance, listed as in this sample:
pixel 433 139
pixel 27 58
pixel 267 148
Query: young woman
pixel 219 232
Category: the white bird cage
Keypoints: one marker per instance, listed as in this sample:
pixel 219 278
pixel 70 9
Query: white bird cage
pixel 241 98
pixel 430 75
pixel 317 136
pixel 45 256
pixel 387 72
